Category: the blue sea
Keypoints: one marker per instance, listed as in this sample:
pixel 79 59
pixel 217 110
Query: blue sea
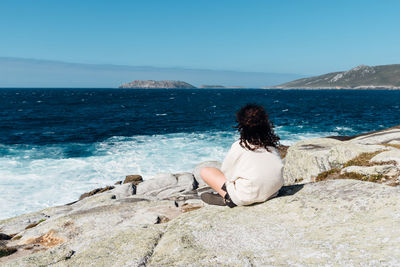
pixel 56 144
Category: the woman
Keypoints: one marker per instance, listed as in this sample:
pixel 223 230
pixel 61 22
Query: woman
pixel 252 169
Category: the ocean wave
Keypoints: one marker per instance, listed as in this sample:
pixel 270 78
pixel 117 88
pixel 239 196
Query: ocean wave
pixel 36 177
pixel 344 128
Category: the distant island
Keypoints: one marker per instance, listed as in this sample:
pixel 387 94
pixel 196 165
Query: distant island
pixel 360 77
pixel 158 84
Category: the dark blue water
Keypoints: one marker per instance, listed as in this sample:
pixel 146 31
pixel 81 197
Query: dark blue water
pixel 87 138
pixel 51 116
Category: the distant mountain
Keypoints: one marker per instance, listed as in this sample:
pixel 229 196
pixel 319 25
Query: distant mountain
pixel 157 84
pixel 360 77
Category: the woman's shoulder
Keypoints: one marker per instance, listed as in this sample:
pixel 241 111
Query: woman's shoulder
pixel 270 151
pixel 236 143
pixel 237 146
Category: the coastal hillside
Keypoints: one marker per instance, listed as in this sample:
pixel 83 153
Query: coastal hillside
pixel 157 84
pixel 360 77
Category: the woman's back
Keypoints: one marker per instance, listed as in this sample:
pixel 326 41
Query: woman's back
pixel 252 170
pixel 253 175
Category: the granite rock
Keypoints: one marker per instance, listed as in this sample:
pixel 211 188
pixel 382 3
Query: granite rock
pixel 167 185
pixel 336 222
pixel 391 154
pixel 389 170
pixel 134 179
pixel 306 159
pixel 96 191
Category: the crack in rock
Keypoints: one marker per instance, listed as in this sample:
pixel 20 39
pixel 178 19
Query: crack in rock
pixel 143 262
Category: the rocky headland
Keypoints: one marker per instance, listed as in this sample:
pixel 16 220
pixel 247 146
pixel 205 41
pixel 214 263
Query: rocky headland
pixel 360 77
pixel 340 206
pixel 157 84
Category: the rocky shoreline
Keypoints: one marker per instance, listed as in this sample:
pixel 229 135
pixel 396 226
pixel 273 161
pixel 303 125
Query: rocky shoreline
pixel 340 205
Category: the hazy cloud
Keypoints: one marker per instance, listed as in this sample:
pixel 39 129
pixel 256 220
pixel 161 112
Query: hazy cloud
pixel 16 72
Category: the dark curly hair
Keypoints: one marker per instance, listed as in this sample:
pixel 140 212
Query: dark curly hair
pixel 256 131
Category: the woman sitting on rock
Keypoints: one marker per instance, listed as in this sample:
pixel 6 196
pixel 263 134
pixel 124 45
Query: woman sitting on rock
pixel 252 169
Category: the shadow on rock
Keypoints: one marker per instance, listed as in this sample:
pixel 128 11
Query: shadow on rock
pixel 289 190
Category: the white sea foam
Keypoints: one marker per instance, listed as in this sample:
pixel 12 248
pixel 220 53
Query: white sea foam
pixel 288 137
pixel 343 128
pixel 36 177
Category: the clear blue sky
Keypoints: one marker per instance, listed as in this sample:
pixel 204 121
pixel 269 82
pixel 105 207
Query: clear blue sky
pixel 305 37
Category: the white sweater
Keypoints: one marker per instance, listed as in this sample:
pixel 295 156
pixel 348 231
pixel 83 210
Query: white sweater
pixel 253 176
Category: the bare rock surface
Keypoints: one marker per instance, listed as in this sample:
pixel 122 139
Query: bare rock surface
pixel 307 159
pixel 113 227
pixel 336 222
pixel 340 222
pixel 99 230
pixel 373 170
pixel 166 185
pixel 392 154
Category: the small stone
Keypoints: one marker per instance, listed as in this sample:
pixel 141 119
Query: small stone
pixel 96 191
pixel 34 224
pixel 113 197
pixel 189 207
pixel 117 183
pixel 134 179
pixel 162 219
